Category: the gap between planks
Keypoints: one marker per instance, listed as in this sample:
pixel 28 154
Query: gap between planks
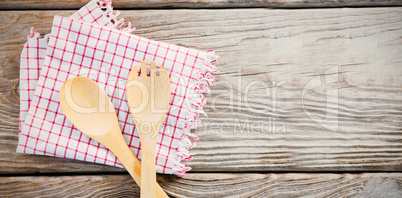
pixel 124 172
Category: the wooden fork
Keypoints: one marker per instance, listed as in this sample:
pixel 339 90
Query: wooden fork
pixel 148 98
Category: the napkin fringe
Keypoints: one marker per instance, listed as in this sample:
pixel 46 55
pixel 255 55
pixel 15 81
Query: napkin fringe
pixel 204 81
pixel 33 34
pixel 106 5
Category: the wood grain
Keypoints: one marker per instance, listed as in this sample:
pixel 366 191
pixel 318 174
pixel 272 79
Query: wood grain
pixel 211 185
pixel 141 4
pixel 275 53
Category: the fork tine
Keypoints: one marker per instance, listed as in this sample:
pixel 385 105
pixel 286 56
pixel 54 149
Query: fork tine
pixel 153 65
pixel 133 73
pixel 153 69
pixel 144 68
pixel 162 72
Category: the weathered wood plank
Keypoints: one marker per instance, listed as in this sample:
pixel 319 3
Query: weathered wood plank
pixel 211 185
pixel 136 4
pixel 275 58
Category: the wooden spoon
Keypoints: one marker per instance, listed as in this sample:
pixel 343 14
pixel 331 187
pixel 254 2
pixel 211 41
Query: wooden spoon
pixel 148 98
pixel 89 109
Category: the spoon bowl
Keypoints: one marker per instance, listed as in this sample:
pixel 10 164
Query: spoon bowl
pixel 87 107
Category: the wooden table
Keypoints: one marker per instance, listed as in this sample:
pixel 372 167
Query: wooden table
pixel 270 129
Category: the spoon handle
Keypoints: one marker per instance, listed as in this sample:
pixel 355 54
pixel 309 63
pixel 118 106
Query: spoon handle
pixel 120 148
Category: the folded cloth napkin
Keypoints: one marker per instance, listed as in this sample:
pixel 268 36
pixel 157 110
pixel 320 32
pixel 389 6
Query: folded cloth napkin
pixel 106 55
pixel 33 53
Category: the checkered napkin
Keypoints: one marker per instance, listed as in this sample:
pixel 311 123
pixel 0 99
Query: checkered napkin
pixel 33 53
pixel 106 55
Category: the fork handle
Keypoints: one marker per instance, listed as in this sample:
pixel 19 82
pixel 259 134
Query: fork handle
pixel 148 172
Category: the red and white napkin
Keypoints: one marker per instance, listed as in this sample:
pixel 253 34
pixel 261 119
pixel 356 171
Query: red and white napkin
pixel 33 53
pixel 106 55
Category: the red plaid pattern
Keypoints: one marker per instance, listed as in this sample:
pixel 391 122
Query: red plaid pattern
pixel 106 56
pixel 33 55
